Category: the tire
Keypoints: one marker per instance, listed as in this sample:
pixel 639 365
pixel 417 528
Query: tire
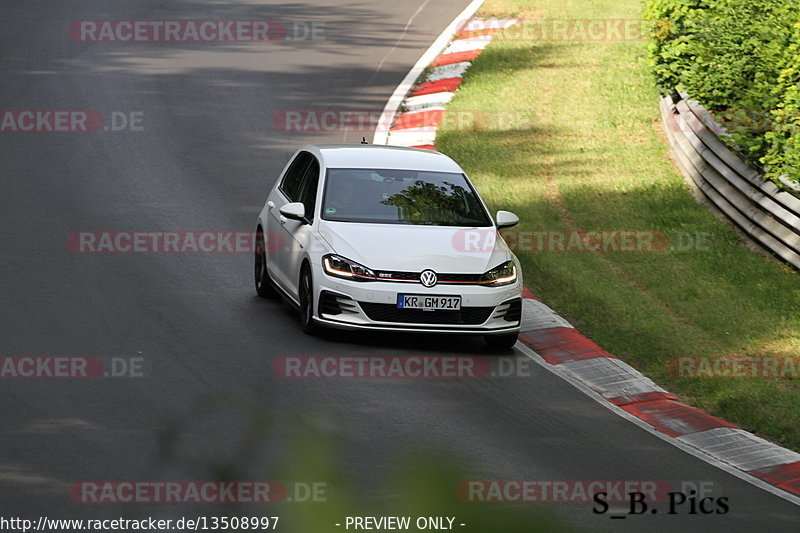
pixel 264 286
pixel 306 293
pixel 501 342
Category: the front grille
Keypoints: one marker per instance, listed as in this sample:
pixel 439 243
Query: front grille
pixel 459 278
pixel 390 313
pixel 388 275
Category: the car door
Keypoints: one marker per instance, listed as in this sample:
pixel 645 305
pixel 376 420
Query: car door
pixel 299 235
pixel 286 192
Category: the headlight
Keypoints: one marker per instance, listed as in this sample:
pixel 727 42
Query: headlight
pixel 505 274
pixel 337 266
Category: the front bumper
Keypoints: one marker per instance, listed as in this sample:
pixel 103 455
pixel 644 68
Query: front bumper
pixel 373 306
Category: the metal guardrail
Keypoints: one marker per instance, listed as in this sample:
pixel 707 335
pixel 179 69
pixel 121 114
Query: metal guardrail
pixel 768 215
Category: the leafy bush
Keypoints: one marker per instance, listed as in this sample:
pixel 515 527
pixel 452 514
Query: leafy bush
pixel 740 60
pixel 783 150
pixel 671 29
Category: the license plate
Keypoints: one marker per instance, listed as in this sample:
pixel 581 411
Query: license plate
pixel 428 303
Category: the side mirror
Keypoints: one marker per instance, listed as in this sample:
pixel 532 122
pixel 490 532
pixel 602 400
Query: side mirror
pixel 506 219
pixel 294 211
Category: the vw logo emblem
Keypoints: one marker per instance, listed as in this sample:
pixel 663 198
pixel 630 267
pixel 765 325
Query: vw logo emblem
pixel 428 278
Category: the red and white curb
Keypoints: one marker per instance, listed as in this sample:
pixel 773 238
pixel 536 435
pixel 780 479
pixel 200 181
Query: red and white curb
pixel 423 108
pixel 557 344
pixel 554 342
pixel 423 94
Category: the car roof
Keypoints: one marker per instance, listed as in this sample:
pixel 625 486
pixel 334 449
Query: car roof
pixel 381 156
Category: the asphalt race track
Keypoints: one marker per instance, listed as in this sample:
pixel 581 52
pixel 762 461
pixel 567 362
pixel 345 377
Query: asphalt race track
pixel 204 150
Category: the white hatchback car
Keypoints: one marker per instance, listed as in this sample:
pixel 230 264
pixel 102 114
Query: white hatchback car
pixel 386 238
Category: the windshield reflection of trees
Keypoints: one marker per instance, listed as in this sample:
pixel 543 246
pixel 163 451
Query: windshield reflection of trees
pixel 429 203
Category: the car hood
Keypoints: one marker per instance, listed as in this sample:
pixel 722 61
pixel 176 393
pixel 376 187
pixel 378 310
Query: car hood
pixel 411 248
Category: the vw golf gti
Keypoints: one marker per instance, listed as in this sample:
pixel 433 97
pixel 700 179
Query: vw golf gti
pixel 386 238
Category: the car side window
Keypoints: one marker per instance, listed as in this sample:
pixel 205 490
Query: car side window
pixel 290 185
pixel 308 188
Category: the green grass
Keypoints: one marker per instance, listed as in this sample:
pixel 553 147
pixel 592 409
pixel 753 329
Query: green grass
pixel 573 140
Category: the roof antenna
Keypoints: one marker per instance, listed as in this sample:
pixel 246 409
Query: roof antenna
pixel 364 140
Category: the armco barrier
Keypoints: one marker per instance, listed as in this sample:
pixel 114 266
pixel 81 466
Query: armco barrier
pixel 768 215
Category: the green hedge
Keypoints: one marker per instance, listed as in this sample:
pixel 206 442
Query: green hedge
pixel 741 60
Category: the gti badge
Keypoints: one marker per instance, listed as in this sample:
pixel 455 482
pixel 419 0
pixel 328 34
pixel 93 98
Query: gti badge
pixel 428 278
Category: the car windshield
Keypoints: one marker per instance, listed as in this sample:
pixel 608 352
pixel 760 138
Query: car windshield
pixel 402 197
